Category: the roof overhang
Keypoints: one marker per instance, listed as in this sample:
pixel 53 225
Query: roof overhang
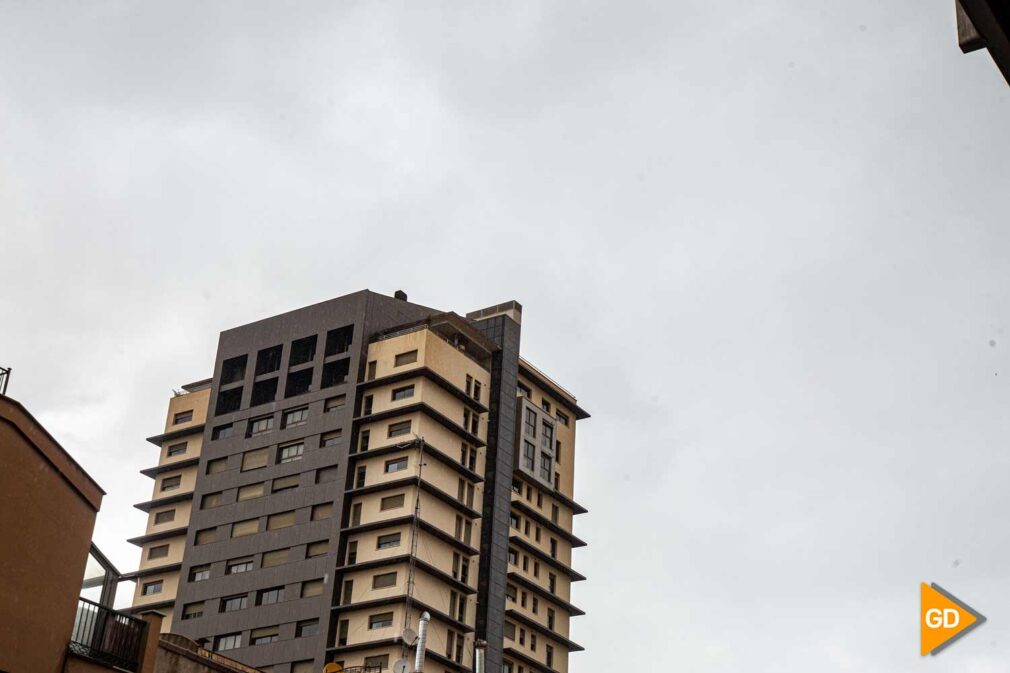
pixel 985 24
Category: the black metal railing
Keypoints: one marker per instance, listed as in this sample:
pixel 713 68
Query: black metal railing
pixel 108 636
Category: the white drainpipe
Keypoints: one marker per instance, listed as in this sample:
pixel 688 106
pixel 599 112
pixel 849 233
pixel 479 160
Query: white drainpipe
pixel 422 640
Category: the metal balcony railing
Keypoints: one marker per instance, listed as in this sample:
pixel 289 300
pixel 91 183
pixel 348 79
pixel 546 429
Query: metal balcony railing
pixel 107 636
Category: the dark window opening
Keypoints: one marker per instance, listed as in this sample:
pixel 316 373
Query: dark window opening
pixel 223 431
pixel 339 340
pixel 182 417
pixel 228 401
pixel 298 383
pixel 263 392
pixel 233 369
pixel 302 350
pixel 335 373
pixel 268 360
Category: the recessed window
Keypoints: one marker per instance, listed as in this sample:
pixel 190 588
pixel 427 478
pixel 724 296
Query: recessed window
pixel 380 621
pixel 403 393
pixel 182 417
pixel 217 465
pixel 171 483
pixel 211 500
pixel 306 628
pixel 525 390
pixel 359 476
pixel 161 551
pixel 335 373
pixel 164 516
pixel 562 417
pixel 298 383
pixel 199 573
pixel 312 588
pixel 396 465
pixel 281 520
pixel 405 358
pixel 327 474
pixel 254 460
pixel 228 401
pixel 246 527
pixel 363 440
pixel 268 360
pixel 250 491
pixel 510 593
pixel 380 661
pixel 302 350
pixel 233 369
pixel 192 610
pixel 285 483
pixel 513 557
pixel 388 541
pixel 322 511
pixel 270 596
pixel 151 588
pixel 339 340
pixel 529 455
pixel 239 565
pixel 264 392
pixel 275 558
pixel 476 390
pixel 531 423
pixel 384 580
pixel 257 426
pixel 469 384
pixel 370 371
pixel 314 549
pixel 332 438
pixel 290 452
pixel 545 466
pixel 335 402
pixel 391 502
pixel 294 417
pixel 398 429
pixel 176 450
pixel 233 603
pixel 262 636
pixel 230 641
pixel 223 431
pixel 366 405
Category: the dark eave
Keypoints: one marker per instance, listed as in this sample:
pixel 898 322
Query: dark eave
pixel 152 472
pixel 542 628
pixel 405 558
pixel 553 388
pixel 990 20
pixel 158 440
pixel 386 642
pixel 545 594
pixel 554 563
pixel 161 535
pixel 430 412
pixel 421 524
pixel 429 450
pixel 394 600
pixel 554 493
pixel 523 507
pixel 425 486
pixel 148 505
pixel 432 376
pixel 147 572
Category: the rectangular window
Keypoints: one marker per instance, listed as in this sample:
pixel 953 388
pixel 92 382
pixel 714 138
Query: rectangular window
pixel 322 511
pixel 510 630
pixel 230 641
pixel 388 541
pixel 327 474
pixel 239 565
pixel 380 661
pixel 314 549
pixel 352 552
pixel 547 438
pixel 335 373
pixel 151 588
pixel 176 450
pixel 285 483
pixel 290 452
pixel 254 460
pixel 370 372
pixel 311 588
pixel 281 520
pixel 223 431
pixel 332 438
pixel 396 464
pixel 247 527
pixel 366 405
pixel 525 390
pixel 228 401
pixel 347 593
pixel 264 392
pixel 298 383
pixel 510 593
pixel 545 466
pixel 295 417
pixel 513 557
pixel 552 582
pixel 398 429
pixel 405 358
pixel 211 500
pixel 257 426
pixel 199 573
pixel 270 596
pixel 309 627
pixel 469 384
pixel 403 393
pixel 217 465
pixel 302 350
pixel 531 423
pixel 263 635
pixel 529 455
pixel 476 390
pixel 274 558
pixel 549 657
pixel 562 418
pixel 192 610
pixel 206 536
pixel 335 402
pixel 384 580
pixel 391 502
pixel 161 551
pixel 233 369
pixel 380 621
pixel 339 340
pixel 182 417
pixel 268 360
pixel 233 603
pixel 171 483
pixel 250 491
pixel 363 440
pixel 164 516
pixel 359 476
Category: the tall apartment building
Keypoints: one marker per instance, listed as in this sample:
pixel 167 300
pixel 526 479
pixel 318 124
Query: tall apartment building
pixel 354 464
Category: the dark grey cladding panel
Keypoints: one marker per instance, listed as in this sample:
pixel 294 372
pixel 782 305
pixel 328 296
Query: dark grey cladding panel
pixel 497 494
pixel 369 313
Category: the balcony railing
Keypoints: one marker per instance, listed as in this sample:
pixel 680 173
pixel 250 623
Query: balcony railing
pixel 107 636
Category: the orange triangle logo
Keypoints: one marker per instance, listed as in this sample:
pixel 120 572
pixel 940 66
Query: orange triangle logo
pixel 943 619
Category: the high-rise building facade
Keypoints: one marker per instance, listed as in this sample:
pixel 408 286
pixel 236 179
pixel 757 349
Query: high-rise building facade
pixel 354 464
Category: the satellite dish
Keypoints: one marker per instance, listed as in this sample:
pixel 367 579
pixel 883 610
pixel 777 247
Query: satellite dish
pixel 409 636
pixel 333 668
pixel 401 666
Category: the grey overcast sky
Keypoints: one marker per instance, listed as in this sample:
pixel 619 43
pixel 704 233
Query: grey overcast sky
pixel 765 244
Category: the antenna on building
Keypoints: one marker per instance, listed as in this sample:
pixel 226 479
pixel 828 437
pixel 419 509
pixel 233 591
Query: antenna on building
pixel 5 377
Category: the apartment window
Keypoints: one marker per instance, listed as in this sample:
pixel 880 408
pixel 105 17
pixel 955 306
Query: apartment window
pixel 334 402
pixel 342 640
pixel 403 393
pixel 254 460
pixel 306 628
pixel 550 619
pixel 388 541
pixel 298 383
pixel 250 491
pixel 356 514
pixel 450 640
pixel 223 431
pixel 522 599
pixel 363 440
pixel 359 477
pixel 322 511
pixel 382 620
pixel 314 549
pixel 476 390
pixel 182 417
pixel 366 405
pixel 291 452
pixel 176 450
pixel 391 502
pixel 347 592
pixel 281 520
pixel 206 536
pixel 268 360
pixel 536 603
pixel 352 552
pixel 164 516
pixel 228 401
pixel 233 603
pixel 545 466
pixel 199 573
pixel 239 565
pixel 514 520
pixel 536 568
pixel 513 557
pixel 557 481
pixel 274 558
pixel 517 486
pixel 161 551
pixel 262 636
pixel 522 636
pixel 531 423
pixel 533 641
pixel 466 419
pixel 263 392
pixel 507 667
pixel 380 661
pixel 327 474
pixel 171 483
pixel 529 455
pixel 562 418
pixel 555 513
pixel 370 373
pixel 311 588
pixel 525 390
pixel 469 384
pixel 258 426
pixel 332 438
pixel 396 465
pixel 510 593
pixel 339 340
pixel 233 369
pixel 295 417
pixel 384 580
pixel 302 350
pixel 557 449
pixel 230 641
pixel 540 500
pixel 151 588
pixel 398 429
pixel 464 571
pixel 405 358
pixel 285 483
pixel 552 582
pixel 246 527
pixel 211 500
pixel 549 656
pixel 270 596
pixel 217 465
pixel 510 630
pixel 192 610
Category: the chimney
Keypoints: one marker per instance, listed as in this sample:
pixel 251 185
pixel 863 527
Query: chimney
pixel 401 295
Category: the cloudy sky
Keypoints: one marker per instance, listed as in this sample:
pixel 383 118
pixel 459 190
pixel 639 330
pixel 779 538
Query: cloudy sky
pixel 766 244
